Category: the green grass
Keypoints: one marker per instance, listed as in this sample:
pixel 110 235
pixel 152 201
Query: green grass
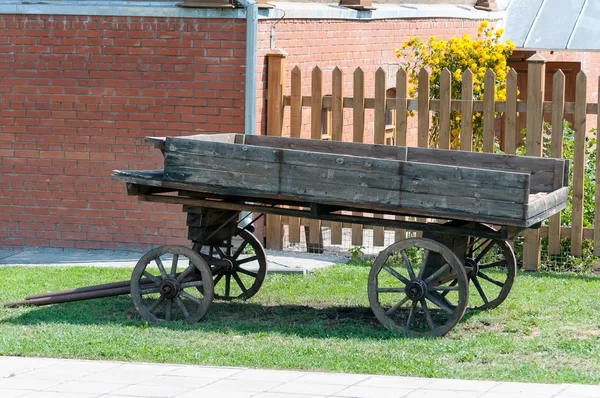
pixel 548 330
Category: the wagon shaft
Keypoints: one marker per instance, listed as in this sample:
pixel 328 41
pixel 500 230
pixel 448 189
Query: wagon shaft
pixel 78 294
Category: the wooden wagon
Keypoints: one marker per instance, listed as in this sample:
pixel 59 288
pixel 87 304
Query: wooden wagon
pixel 478 202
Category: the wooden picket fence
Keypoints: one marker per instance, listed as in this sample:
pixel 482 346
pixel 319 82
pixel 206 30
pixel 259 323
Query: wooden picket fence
pixel 534 107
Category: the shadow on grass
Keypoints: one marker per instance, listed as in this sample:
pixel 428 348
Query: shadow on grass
pixel 222 317
pixel 559 276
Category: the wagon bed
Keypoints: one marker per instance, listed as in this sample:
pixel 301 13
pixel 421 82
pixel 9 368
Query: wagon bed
pixel 325 176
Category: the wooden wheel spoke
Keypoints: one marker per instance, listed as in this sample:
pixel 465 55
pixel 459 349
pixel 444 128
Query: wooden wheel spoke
pixel 483 242
pixel 396 306
pixel 395 273
pixel 246 272
pixel 480 290
pixel 240 249
pixel 484 251
pixel 453 283
pixel 174 265
pixel 490 279
pixel 449 288
pixel 182 308
pixel 411 315
pixel 161 268
pixel 247 260
pixel 390 290
pixel 151 277
pixel 427 314
pixel 156 303
pixel 150 290
pixel 240 283
pixel 220 252
pixel 423 266
pixel 186 273
pixel 190 297
pixel 409 267
pixel 441 302
pixel 495 264
pixel 185 285
pixel 217 279
pixel 437 273
pixel 227 285
pixel 169 310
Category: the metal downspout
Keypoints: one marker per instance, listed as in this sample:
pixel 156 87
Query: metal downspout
pixel 251 7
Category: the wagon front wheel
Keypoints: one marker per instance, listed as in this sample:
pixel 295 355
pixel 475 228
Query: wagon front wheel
pixel 171 283
pixel 419 287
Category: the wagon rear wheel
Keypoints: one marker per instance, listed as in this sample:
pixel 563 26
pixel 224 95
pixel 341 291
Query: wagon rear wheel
pixel 490 264
pixel 419 287
pixel 238 264
pixel 171 283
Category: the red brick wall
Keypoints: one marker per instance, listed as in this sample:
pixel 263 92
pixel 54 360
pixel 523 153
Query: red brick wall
pixel 77 96
pixel 348 45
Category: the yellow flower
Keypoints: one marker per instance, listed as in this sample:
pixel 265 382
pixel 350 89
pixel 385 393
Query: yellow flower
pixel 484 24
pixel 499 32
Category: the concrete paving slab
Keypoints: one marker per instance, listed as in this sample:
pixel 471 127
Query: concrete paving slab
pixel 278 261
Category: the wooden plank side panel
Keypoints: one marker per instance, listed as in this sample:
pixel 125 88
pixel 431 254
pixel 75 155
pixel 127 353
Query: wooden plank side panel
pixel 558 116
pixel 466 110
pixel 580 128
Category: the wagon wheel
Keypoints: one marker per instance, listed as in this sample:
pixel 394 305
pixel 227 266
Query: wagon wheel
pixel 490 264
pixel 166 285
pixel 412 289
pixel 239 265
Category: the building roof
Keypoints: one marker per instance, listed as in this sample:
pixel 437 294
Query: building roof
pixel 554 24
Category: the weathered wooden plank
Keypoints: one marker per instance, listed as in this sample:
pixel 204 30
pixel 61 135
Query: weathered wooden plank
pixel 445 98
pixel 543 203
pixel 558 116
pixel 423 110
pixel 489 130
pixel 316 106
pixel 358 106
pixel 561 201
pixel 401 107
pixel 296 103
pixel 510 129
pixel 580 128
pixel 466 111
pixel 342 148
pixel 543 169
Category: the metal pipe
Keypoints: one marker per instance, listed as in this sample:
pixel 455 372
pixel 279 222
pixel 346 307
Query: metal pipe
pixel 251 7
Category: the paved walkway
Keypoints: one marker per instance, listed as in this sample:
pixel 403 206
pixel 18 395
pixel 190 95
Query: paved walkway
pixel 67 378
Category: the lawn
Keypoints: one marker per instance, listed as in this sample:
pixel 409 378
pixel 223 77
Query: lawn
pixel 548 330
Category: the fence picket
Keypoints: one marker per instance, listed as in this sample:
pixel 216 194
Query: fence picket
pixel 379 137
pixel 358 120
pixel 295 132
pixel 401 127
pixel 579 164
pixel 423 109
pixel 445 99
pixel 510 126
pixel 337 124
pixel 314 239
pixel 597 204
pixel 558 116
pixel 489 100
pixel 466 112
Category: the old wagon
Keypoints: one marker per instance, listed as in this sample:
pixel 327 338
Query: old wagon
pixel 468 206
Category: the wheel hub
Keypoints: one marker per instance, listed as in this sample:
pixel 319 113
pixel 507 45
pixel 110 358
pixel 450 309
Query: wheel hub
pixel 416 289
pixel 471 267
pixel 169 288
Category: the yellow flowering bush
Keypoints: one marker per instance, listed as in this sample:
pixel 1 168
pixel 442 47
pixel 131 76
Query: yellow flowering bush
pixel 459 54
